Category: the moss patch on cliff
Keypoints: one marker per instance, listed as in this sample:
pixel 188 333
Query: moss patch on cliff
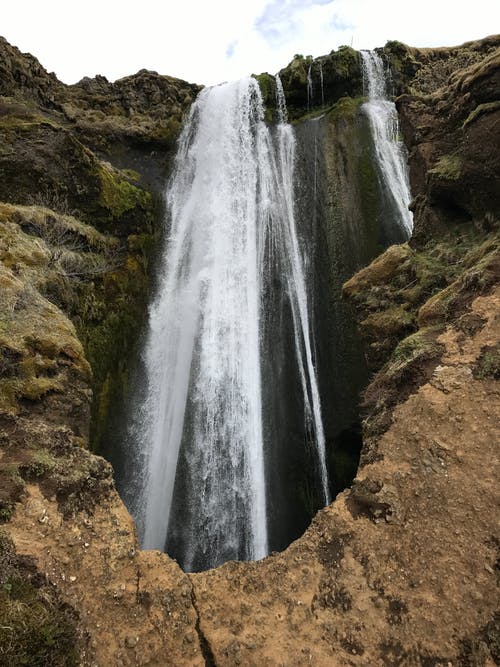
pixel 267 85
pixel 424 71
pixel 36 629
pixel 448 167
pixel 332 76
pixel 405 288
pixel 404 299
pixel 117 194
pixel 50 261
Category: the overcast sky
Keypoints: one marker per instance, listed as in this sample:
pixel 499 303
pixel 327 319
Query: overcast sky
pixel 210 42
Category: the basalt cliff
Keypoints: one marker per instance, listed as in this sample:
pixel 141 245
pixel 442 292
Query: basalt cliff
pixel 402 568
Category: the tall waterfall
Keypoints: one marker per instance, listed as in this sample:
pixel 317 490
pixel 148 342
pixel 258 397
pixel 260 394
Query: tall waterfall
pixel 310 91
pixel 201 426
pixel 390 150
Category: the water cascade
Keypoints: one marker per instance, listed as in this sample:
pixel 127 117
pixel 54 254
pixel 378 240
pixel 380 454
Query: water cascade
pixel 297 286
pixel 321 83
pixel 202 428
pixel 309 88
pixel 390 150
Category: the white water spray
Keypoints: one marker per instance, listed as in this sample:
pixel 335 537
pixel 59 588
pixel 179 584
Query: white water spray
pixel 390 150
pixel 309 88
pixel 231 195
pixel 297 289
pixel 321 83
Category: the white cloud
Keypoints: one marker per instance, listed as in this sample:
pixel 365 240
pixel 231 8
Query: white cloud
pixel 208 42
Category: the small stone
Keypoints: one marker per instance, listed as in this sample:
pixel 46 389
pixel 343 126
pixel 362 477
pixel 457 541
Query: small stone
pixel 131 641
pixel 442 444
pixel 72 578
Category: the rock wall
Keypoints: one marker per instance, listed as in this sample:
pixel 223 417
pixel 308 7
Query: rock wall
pixel 401 569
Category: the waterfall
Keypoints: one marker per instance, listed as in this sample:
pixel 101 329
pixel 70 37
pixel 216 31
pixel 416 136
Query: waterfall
pixel 321 82
pixel 309 88
pixel 200 426
pixel 390 150
pixel 297 289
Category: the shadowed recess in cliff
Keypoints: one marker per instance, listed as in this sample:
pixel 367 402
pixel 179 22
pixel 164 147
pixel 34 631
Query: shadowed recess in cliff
pixel 232 284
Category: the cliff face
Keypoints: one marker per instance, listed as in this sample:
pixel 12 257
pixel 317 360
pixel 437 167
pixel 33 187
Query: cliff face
pixel 400 569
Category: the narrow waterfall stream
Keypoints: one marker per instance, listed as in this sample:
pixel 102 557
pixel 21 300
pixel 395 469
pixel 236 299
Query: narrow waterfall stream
pixel 203 431
pixel 390 150
pixel 310 91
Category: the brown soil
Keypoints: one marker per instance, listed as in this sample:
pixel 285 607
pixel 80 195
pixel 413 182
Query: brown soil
pixel 400 570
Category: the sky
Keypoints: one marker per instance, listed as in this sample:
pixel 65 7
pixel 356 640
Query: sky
pixel 211 42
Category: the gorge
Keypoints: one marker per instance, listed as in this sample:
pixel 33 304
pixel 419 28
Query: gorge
pixel 300 219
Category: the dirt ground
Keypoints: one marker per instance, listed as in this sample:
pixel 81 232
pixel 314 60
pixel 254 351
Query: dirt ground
pixel 400 570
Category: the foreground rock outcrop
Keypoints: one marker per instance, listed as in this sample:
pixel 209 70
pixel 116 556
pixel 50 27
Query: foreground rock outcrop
pixel 402 568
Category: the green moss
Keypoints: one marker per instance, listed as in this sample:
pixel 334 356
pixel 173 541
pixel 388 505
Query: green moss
pixel 417 347
pixel 346 107
pixel 345 59
pixel 131 174
pixel 167 132
pixel 488 365
pixel 267 85
pixel 119 195
pixel 396 46
pixel 41 463
pixel 488 107
pixel 36 630
pixel 475 273
pixel 24 124
pixel 389 322
pixel 448 167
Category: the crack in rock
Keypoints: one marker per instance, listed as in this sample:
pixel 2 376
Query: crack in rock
pixel 206 649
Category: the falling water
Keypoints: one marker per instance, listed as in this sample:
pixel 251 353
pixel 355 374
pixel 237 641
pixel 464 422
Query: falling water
pixel 321 83
pixel 201 425
pixel 309 88
pixel 297 289
pixel 390 150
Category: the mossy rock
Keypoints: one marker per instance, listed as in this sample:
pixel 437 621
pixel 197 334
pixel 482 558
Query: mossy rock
pixel 391 322
pixel 118 195
pixel 448 167
pixel 488 364
pixel 333 76
pixel 379 271
pixel 36 629
pixel 267 85
pixel 410 365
